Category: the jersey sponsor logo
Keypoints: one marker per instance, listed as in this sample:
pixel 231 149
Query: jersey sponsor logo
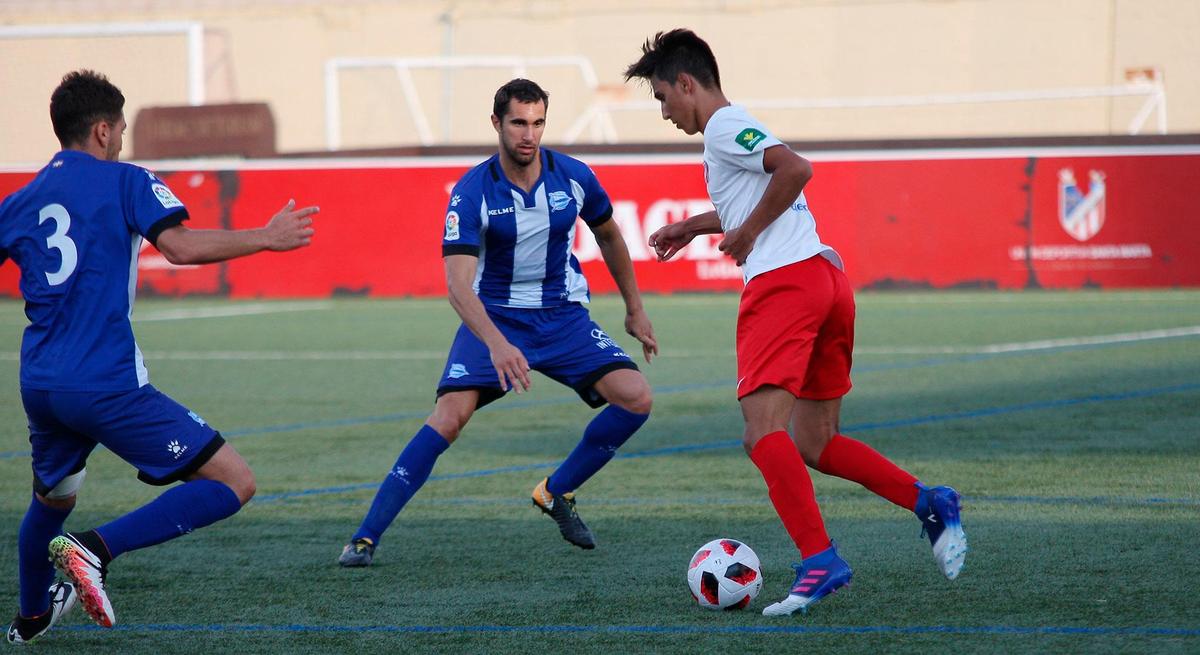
pixel 502 210
pixel 164 195
pixel 559 200
pixel 1080 215
pixel 457 371
pixel 452 226
pixel 749 138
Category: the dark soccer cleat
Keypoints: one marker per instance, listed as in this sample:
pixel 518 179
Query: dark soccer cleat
pixel 87 571
pixel 357 553
pixel 938 508
pixel 562 510
pixel 816 577
pixel 25 631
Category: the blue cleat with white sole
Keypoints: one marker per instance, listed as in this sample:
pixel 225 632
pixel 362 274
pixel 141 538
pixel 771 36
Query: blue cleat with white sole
pixel 938 508
pixel 816 577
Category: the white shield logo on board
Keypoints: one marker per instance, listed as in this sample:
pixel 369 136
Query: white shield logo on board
pixel 1081 215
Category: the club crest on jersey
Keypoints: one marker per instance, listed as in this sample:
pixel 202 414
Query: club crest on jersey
pixel 457 371
pixel 559 200
pixel 452 226
pixel 749 138
pixel 165 197
pixel 1081 215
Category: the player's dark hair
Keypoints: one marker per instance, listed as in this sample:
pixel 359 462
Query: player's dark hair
pixel 679 51
pixel 521 90
pixel 83 98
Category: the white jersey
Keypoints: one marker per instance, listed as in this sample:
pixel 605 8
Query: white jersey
pixel 733 169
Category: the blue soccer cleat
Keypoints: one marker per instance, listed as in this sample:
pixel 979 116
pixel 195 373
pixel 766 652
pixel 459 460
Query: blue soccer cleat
pixel 938 508
pixel 816 577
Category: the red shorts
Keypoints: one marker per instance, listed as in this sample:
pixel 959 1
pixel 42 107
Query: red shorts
pixel 795 331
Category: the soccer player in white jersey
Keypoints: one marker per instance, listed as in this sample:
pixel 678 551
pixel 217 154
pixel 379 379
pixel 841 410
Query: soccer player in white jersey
pixel 75 232
pixel 795 329
pixel 512 279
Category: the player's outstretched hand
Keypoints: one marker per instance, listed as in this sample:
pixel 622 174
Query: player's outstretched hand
pixel 511 367
pixel 737 244
pixel 290 228
pixel 637 324
pixel 669 239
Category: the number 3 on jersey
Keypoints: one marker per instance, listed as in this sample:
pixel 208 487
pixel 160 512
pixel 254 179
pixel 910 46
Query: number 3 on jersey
pixel 60 242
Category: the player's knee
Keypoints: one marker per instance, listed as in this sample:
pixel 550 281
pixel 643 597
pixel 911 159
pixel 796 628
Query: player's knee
pixel 811 458
pixel 243 485
pixel 812 445
pixel 635 398
pixel 447 424
pixel 60 503
pixel 62 496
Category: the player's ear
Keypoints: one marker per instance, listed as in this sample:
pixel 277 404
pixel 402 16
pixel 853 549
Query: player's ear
pixel 102 132
pixel 685 82
pixel 495 123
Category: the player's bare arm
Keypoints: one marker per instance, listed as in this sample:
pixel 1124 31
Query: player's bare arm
pixel 673 237
pixel 511 366
pixel 288 229
pixel 616 257
pixel 789 173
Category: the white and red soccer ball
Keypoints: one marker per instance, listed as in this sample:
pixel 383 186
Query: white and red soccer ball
pixel 724 574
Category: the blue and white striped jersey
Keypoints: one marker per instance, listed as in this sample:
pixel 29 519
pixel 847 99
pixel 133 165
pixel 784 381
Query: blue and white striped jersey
pixel 75 232
pixel 523 240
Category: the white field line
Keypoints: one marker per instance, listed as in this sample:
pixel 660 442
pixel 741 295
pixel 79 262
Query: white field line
pixel 1028 346
pixel 436 355
pixel 249 309
pixel 867 299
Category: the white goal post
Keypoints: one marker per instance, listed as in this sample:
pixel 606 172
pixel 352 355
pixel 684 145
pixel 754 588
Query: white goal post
pixel 192 30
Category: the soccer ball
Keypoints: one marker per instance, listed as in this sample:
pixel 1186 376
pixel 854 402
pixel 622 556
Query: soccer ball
pixel 724 575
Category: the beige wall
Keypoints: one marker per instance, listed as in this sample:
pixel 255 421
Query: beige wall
pixel 274 51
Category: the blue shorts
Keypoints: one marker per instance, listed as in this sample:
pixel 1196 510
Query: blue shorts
pixel 144 427
pixel 562 343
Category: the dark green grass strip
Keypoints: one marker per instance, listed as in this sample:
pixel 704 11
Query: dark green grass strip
pixel 730 443
pixel 652 629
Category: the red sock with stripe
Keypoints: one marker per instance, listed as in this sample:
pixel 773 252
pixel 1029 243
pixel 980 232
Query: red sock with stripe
pixel 854 460
pixel 791 491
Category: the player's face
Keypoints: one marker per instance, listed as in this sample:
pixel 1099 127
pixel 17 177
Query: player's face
pixel 116 133
pixel 676 103
pixel 521 130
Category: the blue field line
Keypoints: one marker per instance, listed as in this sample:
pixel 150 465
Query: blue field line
pixel 730 443
pixel 1101 631
pixel 822 499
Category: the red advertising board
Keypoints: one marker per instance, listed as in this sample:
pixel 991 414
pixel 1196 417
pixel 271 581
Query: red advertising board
pixel 1093 217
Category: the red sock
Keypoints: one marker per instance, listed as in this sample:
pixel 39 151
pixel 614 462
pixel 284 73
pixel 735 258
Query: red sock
pixel 791 491
pixel 856 461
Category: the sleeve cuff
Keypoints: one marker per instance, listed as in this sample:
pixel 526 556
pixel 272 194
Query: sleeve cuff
pixel 165 223
pixel 601 219
pixel 460 249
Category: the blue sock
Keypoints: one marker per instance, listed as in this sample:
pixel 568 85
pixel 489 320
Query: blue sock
pixel 176 512
pixel 603 436
pixel 42 523
pixel 411 471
